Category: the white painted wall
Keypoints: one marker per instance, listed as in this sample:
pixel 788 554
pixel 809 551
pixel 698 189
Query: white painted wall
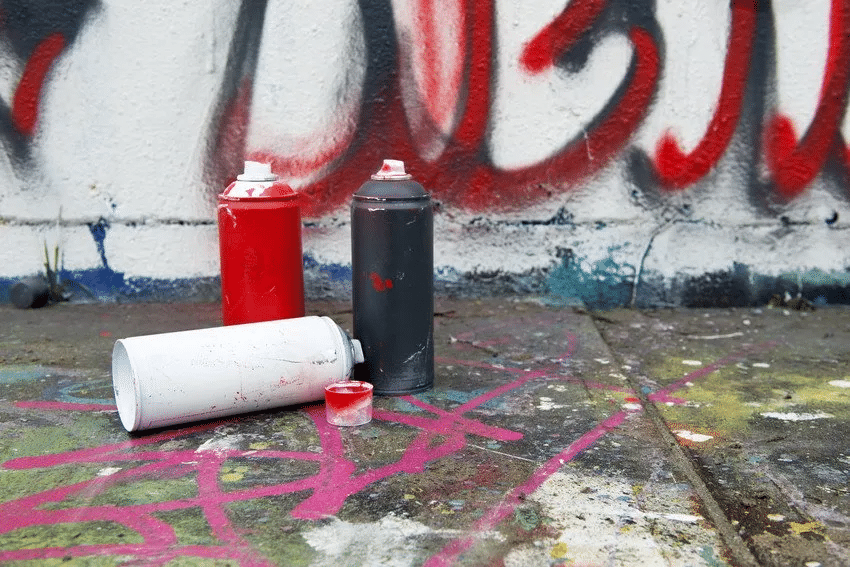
pixel 126 112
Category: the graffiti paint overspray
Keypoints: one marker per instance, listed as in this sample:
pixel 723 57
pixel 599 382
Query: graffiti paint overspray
pixel 392 263
pixel 262 269
pixel 187 376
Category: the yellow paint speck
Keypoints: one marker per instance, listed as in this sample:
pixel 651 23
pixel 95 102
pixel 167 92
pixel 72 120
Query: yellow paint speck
pixel 559 551
pixel 813 527
pixel 775 517
pixel 235 474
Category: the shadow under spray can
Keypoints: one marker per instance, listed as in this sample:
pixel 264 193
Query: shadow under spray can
pixel 392 261
pixel 262 268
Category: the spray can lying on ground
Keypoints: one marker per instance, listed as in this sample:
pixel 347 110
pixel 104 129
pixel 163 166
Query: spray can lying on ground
pixel 187 376
pixel 30 293
pixel 262 268
pixel 392 262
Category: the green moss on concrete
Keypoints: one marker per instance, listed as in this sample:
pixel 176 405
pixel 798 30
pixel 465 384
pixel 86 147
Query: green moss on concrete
pixel 25 439
pixel 144 491
pixel 31 439
pixel 16 484
pixel 730 397
pixel 190 526
pixel 267 525
pixel 197 562
pixel 247 472
pixel 70 561
pixel 69 535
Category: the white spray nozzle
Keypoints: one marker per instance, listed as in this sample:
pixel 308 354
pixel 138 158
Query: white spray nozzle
pixel 392 169
pixel 257 171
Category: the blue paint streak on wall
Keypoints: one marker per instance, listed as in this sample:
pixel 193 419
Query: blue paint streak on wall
pixel 336 273
pixel 103 282
pixel 98 232
pixel 600 285
pixel 604 286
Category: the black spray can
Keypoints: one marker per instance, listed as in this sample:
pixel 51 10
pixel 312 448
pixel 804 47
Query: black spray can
pixel 392 262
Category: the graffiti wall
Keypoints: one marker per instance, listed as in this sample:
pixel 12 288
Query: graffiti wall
pixel 646 152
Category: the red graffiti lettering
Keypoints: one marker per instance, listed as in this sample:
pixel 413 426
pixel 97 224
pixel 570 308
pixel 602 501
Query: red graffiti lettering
pixel 589 154
pixel 677 170
pixel 463 174
pixel 556 38
pixel 27 95
pixel 795 165
pixel 429 93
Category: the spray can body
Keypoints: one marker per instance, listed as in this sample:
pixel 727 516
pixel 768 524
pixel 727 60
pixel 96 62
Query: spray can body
pixel 262 268
pixel 187 376
pixel 392 258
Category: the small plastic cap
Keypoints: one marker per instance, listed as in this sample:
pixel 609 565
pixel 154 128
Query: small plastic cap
pixel 256 171
pixel 357 351
pixel 392 169
pixel 348 404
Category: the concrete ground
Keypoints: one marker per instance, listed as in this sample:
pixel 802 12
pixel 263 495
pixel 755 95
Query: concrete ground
pixel 553 436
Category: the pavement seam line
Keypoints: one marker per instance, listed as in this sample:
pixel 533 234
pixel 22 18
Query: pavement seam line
pixel 741 553
pixel 742 556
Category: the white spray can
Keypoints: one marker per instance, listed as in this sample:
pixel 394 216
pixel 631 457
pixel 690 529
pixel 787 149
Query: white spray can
pixel 186 376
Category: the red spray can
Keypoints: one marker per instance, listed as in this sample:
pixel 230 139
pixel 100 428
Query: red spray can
pixel 259 230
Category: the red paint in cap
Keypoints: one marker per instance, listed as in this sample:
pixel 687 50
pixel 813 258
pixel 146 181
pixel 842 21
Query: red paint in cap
pixel 348 403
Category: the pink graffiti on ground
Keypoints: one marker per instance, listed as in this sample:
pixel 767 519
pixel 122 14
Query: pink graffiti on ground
pixel 506 507
pixel 336 480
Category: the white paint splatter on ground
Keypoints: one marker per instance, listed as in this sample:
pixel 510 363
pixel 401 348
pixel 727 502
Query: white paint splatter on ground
pixel 761 365
pixel 221 444
pixel 691 436
pixel 692 362
pixel 108 471
pixel 616 523
pixel 790 416
pixel 547 404
pixel 840 383
pixel 389 542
